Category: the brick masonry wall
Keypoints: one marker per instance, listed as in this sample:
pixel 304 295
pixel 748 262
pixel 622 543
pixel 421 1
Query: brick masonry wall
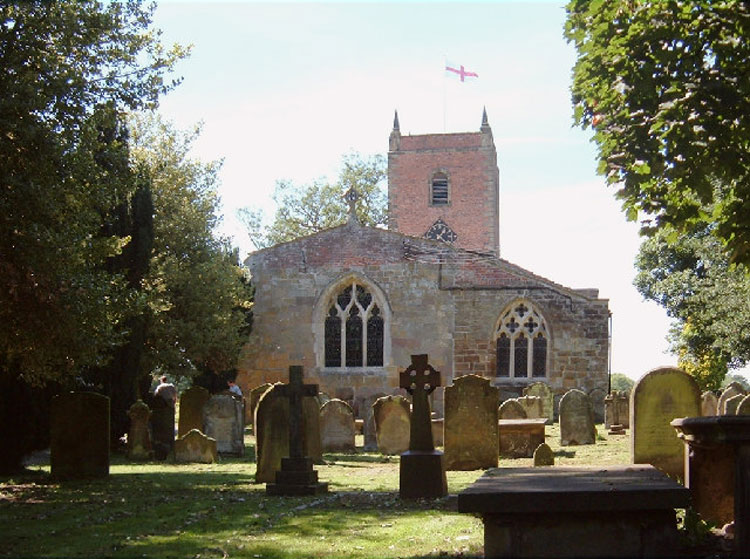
pixel 442 302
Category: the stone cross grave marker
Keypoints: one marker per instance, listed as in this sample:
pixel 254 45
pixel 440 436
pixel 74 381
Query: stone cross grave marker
pixel 297 476
pixel 422 469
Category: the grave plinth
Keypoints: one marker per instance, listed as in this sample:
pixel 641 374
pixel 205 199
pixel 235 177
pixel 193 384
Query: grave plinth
pixel 422 468
pixel 519 438
pixel 297 476
pixel 717 471
pixel 618 511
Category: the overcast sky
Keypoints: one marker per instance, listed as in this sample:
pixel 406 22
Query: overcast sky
pixel 285 89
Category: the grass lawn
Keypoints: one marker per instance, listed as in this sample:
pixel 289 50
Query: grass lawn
pixel 159 509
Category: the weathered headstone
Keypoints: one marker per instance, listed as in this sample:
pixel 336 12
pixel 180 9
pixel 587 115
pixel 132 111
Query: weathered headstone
pixel 596 397
pixel 194 446
pixel 296 475
pixel 367 415
pixel 744 407
pixel 337 426
pixel 470 426
pixel 223 420
pixel 252 402
pixel 392 424
pixel 518 438
pixel 658 397
pixel 192 401
pixel 732 389
pixel 139 436
pixel 576 419
pixel 511 409
pixel 616 410
pixel 731 404
pixel 422 468
pixel 162 428
pixel 543 390
pixel 532 406
pixel 543 455
pixel 709 404
pixel 79 446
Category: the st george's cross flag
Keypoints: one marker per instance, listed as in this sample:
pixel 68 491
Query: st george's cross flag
pixel 460 71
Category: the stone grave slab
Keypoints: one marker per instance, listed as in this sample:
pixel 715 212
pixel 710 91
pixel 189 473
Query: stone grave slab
pixel 194 446
pixel 518 438
pixel 658 397
pixel 616 410
pixel 596 397
pixel 576 419
pixel 252 402
pixel 139 436
pixel 192 401
pixel 543 391
pixel 532 405
pixel 471 436
pixel 79 445
pixel 744 407
pixel 223 419
pixel 617 511
pixel 543 455
pixel 511 409
pixel 392 424
pixel 731 404
pixel 709 404
pixel 162 428
pixel 337 426
pixel 730 391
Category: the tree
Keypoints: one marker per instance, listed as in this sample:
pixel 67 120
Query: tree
pixel 621 383
pixel 708 298
pixel 666 88
pixel 70 69
pixel 304 210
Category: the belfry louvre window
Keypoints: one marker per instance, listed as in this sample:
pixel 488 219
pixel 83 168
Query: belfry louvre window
pixel 354 329
pixel 439 190
pixel 521 343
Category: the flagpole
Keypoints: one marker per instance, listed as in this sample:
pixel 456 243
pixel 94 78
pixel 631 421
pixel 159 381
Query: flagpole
pixel 445 88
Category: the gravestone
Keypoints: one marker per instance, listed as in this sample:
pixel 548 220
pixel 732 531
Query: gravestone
pixel 744 407
pixel 367 415
pixel 511 409
pixel 732 389
pixel 139 437
pixel 542 390
pixel 658 397
pixel 731 404
pixel 223 420
pixel 79 445
pixel 194 446
pixel 252 402
pixel 470 425
pixel 616 410
pixel 192 401
pixel 337 426
pixel 162 428
pixel 576 419
pixel 709 404
pixel 532 406
pixel 296 475
pixel 518 438
pixel 392 424
pixel 422 468
pixel 543 455
pixel 596 398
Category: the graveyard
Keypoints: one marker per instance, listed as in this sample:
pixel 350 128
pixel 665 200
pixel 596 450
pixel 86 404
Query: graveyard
pixel 162 509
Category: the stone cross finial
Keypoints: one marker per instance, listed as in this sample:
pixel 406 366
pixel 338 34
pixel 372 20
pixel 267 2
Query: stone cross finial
pixel 295 391
pixel 420 380
pixel 352 196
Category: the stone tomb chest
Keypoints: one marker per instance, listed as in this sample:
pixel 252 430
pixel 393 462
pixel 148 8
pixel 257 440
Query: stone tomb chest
pixel 620 511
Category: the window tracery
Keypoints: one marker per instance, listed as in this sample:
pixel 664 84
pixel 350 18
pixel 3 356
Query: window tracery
pixel 354 329
pixel 522 342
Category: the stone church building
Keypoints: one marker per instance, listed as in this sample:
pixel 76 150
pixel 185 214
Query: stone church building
pixel 352 303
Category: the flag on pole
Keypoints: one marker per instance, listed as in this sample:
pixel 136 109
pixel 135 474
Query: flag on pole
pixel 460 71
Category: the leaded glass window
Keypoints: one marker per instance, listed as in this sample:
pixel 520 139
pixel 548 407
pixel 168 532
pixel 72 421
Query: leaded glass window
pixel 522 342
pixel 354 329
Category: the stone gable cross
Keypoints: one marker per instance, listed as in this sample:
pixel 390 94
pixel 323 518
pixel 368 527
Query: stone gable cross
pixel 295 391
pixel 351 196
pixel 420 380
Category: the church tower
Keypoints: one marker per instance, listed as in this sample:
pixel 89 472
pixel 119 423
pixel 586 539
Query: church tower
pixel 446 187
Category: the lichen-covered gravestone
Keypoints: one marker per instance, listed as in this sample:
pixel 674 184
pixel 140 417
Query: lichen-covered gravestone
pixel 543 455
pixel 369 430
pixel 731 405
pixel 511 409
pixel 616 406
pixel 732 389
pixel 658 397
pixel 392 424
pixel 192 401
pixel 596 397
pixel 576 419
pixel 532 405
pixel 79 446
pixel 272 432
pixel 470 426
pixel 709 404
pixel 139 436
pixel 195 447
pixel 223 420
pixel 252 402
pixel 337 426
pixel 744 407
pixel 543 391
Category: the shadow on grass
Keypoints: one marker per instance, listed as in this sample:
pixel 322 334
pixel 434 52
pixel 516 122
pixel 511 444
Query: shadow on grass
pixel 366 458
pixel 565 453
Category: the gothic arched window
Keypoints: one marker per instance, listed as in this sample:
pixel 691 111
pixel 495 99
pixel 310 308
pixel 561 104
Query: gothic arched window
pixel 354 329
pixel 522 340
pixel 439 195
